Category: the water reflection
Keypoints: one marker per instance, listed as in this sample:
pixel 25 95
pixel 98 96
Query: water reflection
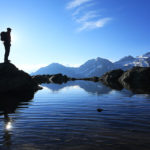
pixel 9 103
pixel 72 118
pixel 96 88
pixel 8 125
pixel 88 86
pixel 7 131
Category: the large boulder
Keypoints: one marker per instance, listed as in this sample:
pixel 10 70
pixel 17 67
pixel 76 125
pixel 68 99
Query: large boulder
pixel 112 76
pixel 58 78
pixel 42 78
pixel 137 77
pixel 55 78
pixel 14 80
pixel 111 79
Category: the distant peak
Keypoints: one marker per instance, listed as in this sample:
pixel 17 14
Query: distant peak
pixel 127 58
pixel 147 54
pixel 55 64
pixel 99 58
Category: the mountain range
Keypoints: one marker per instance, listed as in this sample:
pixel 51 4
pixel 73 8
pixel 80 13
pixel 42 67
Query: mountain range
pixel 96 67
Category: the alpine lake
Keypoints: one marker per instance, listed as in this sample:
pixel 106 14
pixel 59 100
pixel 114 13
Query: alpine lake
pixel 77 115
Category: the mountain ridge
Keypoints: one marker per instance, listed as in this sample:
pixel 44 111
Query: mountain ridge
pixel 96 67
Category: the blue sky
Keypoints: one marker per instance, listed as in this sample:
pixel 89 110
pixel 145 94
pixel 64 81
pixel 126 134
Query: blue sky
pixel 72 31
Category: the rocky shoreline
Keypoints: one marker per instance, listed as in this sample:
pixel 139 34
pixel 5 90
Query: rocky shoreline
pixel 136 79
pixel 55 78
pixel 14 80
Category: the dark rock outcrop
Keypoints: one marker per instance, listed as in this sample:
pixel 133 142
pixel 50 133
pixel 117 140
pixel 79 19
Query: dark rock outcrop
pixel 136 79
pixel 56 78
pixel 112 76
pixel 111 79
pixel 14 80
pixel 39 79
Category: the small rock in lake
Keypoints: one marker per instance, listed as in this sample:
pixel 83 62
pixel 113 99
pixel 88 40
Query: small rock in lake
pixel 100 109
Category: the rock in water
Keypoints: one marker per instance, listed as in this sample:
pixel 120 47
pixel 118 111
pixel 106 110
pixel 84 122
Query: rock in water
pixel 14 80
pixel 59 78
pixel 137 77
pixel 99 109
pixel 111 79
pixel 55 78
pixel 112 76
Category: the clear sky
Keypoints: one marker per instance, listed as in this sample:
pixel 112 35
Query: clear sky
pixel 72 31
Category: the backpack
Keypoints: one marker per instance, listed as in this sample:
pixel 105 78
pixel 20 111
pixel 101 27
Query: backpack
pixel 3 36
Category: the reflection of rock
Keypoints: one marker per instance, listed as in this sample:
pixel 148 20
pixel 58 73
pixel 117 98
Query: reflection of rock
pixel 12 79
pixel 9 102
pixel 136 79
pixel 16 87
pixel 94 79
pixel 56 78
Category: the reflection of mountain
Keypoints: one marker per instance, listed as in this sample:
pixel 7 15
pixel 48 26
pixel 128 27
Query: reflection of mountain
pixel 88 86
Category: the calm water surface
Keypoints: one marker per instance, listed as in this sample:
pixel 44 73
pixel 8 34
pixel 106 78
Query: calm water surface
pixel 65 117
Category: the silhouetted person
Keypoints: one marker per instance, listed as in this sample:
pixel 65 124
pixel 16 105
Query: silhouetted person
pixel 6 38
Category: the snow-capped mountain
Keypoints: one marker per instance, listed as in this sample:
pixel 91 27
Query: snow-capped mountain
pixel 93 67
pixel 123 61
pixel 55 68
pixel 147 55
pixel 129 62
pixel 96 67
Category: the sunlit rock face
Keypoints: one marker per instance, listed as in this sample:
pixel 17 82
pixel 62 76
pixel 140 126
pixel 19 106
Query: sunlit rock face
pixel 12 79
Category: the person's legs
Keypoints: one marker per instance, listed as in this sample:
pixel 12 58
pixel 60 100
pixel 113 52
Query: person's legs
pixel 7 50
